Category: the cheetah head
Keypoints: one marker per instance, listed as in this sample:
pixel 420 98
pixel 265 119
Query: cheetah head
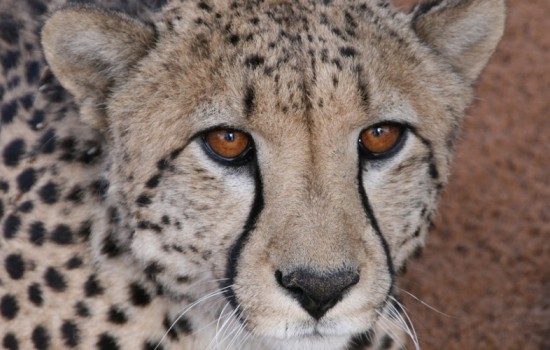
pixel 283 158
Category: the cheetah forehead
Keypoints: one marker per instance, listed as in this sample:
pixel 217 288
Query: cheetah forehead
pixel 295 64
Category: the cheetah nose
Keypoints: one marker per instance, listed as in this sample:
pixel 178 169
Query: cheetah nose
pixel 317 292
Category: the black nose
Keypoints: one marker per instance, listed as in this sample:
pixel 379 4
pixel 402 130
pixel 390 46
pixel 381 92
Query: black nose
pixel 317 292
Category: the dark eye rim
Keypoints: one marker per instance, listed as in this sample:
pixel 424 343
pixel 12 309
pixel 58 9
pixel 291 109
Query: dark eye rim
pixel 368 155
pixel 239 160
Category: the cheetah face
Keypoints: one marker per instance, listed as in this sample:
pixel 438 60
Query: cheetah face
pixel 282 159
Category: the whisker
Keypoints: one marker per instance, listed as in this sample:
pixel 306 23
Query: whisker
pixel 386 325
pixel 408 322
pixel 189 307
pixel 426 304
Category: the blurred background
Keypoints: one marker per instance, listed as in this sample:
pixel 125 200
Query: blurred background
pixel 486 268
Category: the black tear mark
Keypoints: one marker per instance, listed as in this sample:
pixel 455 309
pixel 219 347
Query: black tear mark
pixel 236 249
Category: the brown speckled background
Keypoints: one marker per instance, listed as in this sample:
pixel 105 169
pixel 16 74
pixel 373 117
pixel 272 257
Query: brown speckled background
pixel 487 263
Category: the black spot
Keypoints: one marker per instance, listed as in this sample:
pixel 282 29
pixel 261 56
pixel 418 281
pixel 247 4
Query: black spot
pixel 27 101
pixel 361 341
pixel 117 315
pixel 10 341
pixel 9 307
pixel 68 145
pixel 170 331
pixel 163 164
pixel 13 82
pixel 70 333
pixel 47 142
pixel 107 342
pixel 153 269
pixel 62 234
pixel 37 120
pixel 248 101
pixel 37 232
pixel 74 263
pixel 347 51
pixel 26 180
pixel 35 294
pixel 9 29
pixel 386 342
pixel 138 295
pixel 13 152
pixel 143 200
pixel 165 220
pixel 8 112
pixel 100 188
pixel 10 59
pixel 362 86
pixel 49 193
pixel 114 217
pixel 4 186
pixel 90 154
pixel 234 39
pixel 253 61
pixel 11 226
pixel 55 280
pixel 76 194
pixel 38 7
pixel 85 229
pixel 40 338
pixel 147 225
pixel 1 208
pixel 26 207
pixel 15 266
pixel 92 287
pixel 204 6
pixel 82 309
pixel 32 71
pixel 184 325
pixel 110 246
pixel 152 345
pixel 153 182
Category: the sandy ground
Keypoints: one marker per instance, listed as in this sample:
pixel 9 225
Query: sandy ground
pixel 487 264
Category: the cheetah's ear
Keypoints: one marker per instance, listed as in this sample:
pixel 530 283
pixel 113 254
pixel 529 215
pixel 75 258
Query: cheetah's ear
pixel 466 32
pixel 88 49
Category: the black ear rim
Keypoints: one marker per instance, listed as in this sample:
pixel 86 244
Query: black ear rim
pixel 424 7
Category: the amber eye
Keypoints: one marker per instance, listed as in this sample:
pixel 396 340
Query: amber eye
pixel 381 140
pixel 227 144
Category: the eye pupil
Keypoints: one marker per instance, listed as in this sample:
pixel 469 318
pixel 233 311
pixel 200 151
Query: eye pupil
pixel 377 131
pixel 229 136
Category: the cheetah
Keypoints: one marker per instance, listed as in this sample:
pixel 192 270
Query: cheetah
pixel 235 174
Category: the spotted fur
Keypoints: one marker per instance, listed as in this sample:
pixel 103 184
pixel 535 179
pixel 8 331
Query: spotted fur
pixel 120 231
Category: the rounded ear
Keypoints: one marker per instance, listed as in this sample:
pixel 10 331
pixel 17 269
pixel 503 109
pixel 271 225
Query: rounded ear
pixel 466 32
pixel 88 49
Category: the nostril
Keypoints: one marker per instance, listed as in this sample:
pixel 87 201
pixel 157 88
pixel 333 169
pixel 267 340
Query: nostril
pixel 286 281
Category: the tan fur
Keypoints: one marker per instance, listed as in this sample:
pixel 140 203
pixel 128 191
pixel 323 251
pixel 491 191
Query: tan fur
pixel 303 79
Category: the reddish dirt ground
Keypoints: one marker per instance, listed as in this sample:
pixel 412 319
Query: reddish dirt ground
pixel 487 263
